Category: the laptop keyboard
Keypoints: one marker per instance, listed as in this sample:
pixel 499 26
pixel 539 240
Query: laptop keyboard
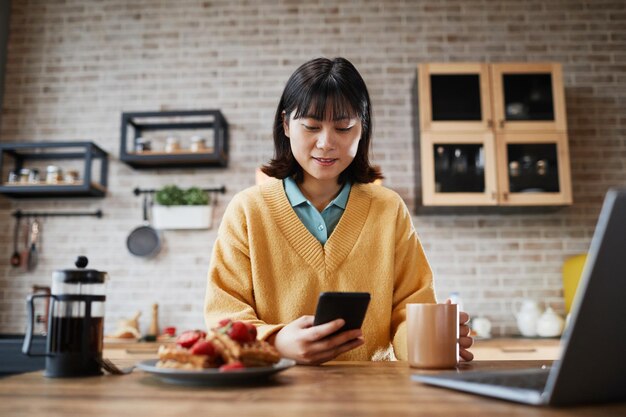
pixel 528 380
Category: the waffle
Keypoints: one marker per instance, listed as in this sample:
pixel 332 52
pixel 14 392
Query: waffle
pixel 180 358
pixel 258 353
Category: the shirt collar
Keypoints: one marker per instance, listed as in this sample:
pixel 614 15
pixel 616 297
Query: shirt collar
pixel 295 196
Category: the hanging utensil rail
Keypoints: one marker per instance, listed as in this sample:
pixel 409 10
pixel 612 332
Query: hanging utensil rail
pixel 222 189
pixel 19 213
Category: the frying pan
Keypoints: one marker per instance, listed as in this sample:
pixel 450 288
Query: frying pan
pixel 144 241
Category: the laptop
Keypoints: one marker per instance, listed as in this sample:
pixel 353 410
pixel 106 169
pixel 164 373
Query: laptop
pixel 592 366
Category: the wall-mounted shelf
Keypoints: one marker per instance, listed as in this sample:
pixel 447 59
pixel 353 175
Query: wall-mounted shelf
pixel 154 126
pixel 23 154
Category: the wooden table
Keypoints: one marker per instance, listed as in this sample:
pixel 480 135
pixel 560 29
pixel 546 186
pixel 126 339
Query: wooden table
pixel 335 389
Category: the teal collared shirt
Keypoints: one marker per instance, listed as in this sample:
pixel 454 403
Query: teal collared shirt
pixel 321 225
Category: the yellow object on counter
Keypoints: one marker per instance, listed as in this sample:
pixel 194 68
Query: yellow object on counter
pixel 572 270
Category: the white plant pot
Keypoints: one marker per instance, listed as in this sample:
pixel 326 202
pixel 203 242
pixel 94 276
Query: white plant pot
pixel 182 217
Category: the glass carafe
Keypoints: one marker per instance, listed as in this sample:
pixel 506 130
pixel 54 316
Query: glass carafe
pixel 75 322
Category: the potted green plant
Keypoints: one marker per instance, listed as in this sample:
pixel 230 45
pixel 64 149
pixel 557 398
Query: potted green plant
pixel 178 208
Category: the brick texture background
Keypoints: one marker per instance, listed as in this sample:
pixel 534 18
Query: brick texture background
pixel 73 66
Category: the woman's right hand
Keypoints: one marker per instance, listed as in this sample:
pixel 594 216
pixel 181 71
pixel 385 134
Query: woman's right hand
pixel 309 345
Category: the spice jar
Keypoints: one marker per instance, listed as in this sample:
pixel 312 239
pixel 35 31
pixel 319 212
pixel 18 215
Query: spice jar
pixel 33 177
pixel 142 145
pixel 71 177
pixel 53 174
pixel 13 178
pixel 24 175
pixel 172 144
pixel 198 144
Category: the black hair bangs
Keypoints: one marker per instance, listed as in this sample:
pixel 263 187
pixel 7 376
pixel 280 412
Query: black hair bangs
pixel 330 99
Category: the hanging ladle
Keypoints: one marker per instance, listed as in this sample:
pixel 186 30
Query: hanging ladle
pixel 15 258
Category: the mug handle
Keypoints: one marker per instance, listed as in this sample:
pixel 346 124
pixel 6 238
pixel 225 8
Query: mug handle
pixel 28 337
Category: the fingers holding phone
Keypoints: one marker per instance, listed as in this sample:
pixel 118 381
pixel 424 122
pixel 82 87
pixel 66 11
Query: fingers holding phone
pixel 311 345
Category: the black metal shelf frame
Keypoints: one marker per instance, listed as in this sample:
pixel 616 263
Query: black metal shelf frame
pixel 20 214
pixel 20 152
pixel 217 158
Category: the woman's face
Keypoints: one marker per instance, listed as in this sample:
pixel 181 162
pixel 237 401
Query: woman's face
pixel 323 148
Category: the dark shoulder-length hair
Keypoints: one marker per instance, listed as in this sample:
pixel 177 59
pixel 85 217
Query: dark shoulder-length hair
pixel 313 86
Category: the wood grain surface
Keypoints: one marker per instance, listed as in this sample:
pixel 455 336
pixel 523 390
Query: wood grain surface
pixel 335 389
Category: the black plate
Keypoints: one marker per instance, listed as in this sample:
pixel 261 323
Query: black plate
pixel 213 376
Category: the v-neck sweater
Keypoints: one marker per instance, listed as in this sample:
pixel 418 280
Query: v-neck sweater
pixel 268 269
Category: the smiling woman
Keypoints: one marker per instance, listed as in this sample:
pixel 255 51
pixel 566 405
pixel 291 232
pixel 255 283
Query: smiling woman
pixel 324 94
pixel 321 226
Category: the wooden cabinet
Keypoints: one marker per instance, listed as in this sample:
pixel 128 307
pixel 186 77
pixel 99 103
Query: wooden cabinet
pixel 493 134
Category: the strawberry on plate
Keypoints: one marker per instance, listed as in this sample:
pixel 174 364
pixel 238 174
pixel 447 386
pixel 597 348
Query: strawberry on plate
pixel 233 366
pixel 239 332
pixel 251 332
pixel 203 347
pixel 224 323
pixel 189 338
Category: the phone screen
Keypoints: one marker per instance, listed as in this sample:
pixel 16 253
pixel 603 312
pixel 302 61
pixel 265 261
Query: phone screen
pixel 349 306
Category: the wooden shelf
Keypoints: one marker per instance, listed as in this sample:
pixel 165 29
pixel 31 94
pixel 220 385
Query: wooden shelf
pixel 53 190
pixel 208 151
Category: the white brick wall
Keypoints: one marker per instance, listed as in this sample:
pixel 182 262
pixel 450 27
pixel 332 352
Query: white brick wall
pixel 74 66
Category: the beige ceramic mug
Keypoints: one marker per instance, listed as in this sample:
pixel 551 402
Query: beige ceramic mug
pixel 432 335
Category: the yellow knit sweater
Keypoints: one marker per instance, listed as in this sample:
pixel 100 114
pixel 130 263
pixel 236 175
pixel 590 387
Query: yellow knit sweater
pixel 266 268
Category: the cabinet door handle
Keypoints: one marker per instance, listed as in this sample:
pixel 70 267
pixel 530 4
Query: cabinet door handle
pixel 505 196
pixel 494 195
pixel 490 123
pixel 502 124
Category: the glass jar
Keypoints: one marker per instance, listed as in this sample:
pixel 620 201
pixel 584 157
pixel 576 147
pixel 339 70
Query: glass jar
pixel 542 167
pixel 33 177
pixel 198 144
pixel 71 177
pixel 53 174
pixel 13 177
pixel 142 145
pixel 24 175
pixel 172 144
pixel 514 169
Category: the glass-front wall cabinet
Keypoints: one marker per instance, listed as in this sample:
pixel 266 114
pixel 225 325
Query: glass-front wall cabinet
pixel 528 98
pixel 445 109
pixel 467 159
pixel 456 169
pixel 533 169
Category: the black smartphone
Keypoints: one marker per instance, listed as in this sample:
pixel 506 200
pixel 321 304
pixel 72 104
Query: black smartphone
pixel 350 306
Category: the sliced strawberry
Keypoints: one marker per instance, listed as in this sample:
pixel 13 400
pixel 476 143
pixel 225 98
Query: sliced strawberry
pixel 224 322
pixel 189 338
pixel 251 332
pixel 233 366
pixel 238 332
pixel 203 347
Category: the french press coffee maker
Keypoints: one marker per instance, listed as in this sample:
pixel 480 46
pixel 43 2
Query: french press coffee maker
pixel 75 322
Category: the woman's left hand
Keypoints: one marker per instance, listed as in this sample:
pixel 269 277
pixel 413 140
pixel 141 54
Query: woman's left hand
pixel 465 341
